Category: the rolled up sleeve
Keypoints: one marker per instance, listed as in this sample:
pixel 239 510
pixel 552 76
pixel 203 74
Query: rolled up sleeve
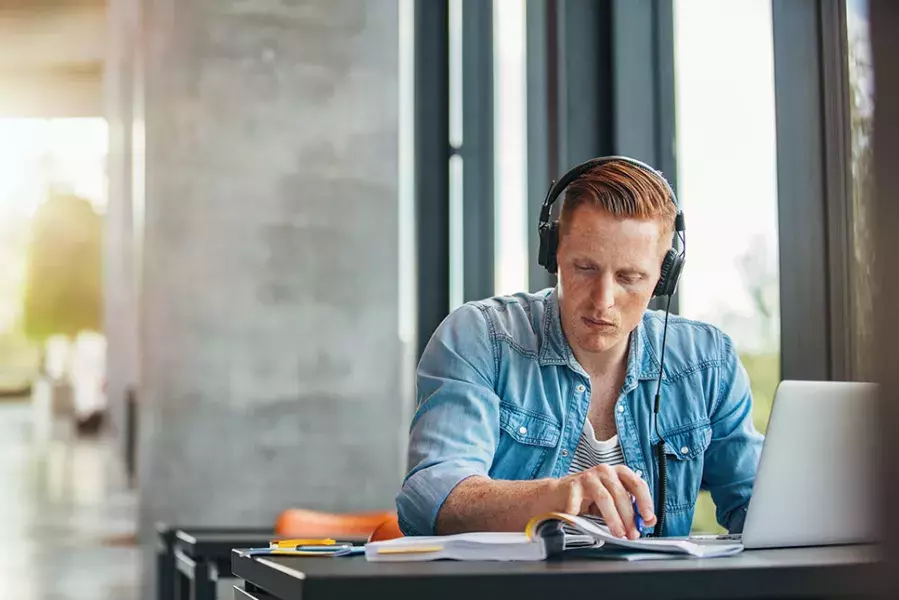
pixel 455 429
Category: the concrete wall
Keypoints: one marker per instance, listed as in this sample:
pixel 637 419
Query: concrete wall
pixel 268 304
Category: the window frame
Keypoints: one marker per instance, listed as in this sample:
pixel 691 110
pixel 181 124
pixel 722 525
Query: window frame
pixel 814 188
pixel 594 72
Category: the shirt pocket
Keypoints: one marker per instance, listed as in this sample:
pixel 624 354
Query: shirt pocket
pixel 685 448
pixel 526 441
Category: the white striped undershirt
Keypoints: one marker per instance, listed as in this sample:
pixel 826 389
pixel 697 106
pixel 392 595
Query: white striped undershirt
pixel 591 452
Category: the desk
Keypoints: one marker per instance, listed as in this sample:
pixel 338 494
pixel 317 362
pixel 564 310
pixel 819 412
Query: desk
pixel 829 572
pixel 202 555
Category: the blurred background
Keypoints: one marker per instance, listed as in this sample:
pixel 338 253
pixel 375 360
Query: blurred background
pixel 230 227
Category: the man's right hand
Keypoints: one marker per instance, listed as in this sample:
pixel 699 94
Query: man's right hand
pixel 607 491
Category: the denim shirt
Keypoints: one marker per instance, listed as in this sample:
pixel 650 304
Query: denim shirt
pixel 500 394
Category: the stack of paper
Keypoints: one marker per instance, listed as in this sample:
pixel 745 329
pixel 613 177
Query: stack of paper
pixel 463 546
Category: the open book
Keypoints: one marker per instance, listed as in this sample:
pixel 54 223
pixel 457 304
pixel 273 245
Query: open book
pixel 589 534
pixel 543 536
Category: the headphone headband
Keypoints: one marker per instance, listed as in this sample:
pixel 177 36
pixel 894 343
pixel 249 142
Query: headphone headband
pixel 556 189
pixel 548 231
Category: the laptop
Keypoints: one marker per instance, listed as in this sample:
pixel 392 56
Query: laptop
pixel 816 481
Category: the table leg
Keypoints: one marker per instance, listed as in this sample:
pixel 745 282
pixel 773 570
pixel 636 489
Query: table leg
pixel 204 581
pixel 184 587
pixel 165 569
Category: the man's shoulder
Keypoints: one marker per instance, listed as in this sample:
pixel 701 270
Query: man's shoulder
pixel 690 344
pixel 517 317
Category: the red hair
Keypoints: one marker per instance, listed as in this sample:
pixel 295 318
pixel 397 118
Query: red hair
pixel 623 189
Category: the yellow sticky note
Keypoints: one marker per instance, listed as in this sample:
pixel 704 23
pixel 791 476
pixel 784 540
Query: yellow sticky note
pixel 301 542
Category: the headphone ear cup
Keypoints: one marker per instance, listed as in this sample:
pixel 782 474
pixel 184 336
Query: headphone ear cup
pixel 672 265
pixel 549 244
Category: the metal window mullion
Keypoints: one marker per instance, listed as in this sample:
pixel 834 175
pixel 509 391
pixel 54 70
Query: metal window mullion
pixel 431 107
pixel 542 161
pixel 802 214
pixel 837 156
pixel 477 149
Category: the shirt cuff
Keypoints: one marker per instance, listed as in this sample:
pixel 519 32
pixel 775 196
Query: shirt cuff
pixel 424 493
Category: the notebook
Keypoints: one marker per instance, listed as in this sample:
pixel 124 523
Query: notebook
pixel 543 536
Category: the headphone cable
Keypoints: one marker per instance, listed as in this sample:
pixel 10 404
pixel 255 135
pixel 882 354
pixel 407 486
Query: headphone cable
pixel 662 458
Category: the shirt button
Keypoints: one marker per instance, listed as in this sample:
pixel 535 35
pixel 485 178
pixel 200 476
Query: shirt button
pixel 564 452
pixel 639 473
pixel 580 388
pixel 684 450
pixel 522 430
pixel 621 408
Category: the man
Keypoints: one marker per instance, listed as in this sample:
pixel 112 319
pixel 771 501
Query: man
pixel 545 402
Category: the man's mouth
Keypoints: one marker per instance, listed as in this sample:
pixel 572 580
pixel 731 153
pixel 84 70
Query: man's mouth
pixel 598 323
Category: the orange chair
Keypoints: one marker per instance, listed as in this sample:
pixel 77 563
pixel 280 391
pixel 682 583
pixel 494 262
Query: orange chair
pixel 304 523
pixel 389 529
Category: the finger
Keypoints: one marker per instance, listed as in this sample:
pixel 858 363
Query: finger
pixel 575 499
pixel 622 501
pixel 638 488
pixel 605 504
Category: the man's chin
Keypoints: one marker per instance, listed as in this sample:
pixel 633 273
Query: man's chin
pixel 599 343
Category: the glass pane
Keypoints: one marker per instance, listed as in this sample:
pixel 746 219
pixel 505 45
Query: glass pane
pixel 407 264
pixel 510 138
pixel 861 106
pixel 727 180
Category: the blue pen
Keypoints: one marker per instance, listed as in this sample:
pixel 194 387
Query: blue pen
pixel 638 520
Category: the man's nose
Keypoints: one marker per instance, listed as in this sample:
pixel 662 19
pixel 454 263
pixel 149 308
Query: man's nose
pixel 604 292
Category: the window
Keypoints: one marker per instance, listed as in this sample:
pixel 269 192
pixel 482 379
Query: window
pixel 727 180
pixel 510 135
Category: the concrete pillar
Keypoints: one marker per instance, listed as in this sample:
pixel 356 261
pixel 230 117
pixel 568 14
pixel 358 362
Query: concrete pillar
pixel 120 323
pixel 270 354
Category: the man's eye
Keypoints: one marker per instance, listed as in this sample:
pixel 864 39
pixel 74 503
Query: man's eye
pixel 584 267
pixel 630 278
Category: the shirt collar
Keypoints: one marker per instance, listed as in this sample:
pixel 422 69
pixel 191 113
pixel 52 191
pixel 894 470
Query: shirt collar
pixel 554 349
pixel 642 361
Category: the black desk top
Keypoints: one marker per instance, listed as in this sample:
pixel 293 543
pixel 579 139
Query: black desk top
pixel 826 572
pixel 217 544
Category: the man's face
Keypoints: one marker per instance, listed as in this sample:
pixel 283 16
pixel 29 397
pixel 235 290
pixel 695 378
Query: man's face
pixel 608 268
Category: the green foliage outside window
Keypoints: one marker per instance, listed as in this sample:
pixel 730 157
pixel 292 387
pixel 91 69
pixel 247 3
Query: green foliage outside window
pixel 63 286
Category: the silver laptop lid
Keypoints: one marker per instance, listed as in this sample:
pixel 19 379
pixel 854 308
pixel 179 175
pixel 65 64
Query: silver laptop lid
pixel 815 483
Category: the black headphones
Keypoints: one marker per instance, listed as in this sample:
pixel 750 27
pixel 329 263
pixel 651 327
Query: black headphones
pixel 672 264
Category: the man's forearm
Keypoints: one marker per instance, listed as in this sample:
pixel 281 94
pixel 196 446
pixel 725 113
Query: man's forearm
pixel 482 504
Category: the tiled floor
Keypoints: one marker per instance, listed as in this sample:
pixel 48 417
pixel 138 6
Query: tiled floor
pixel 64 510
